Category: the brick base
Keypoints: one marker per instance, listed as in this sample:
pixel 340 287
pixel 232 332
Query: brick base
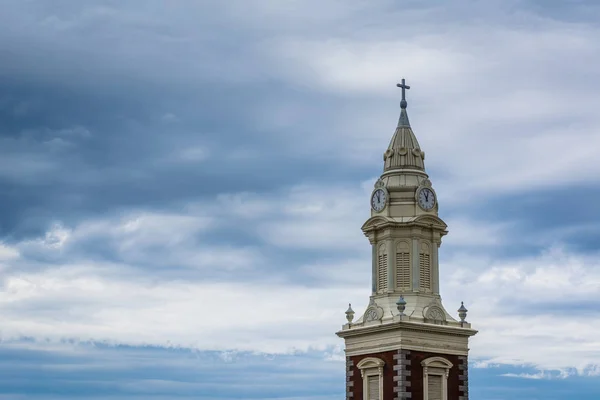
pixel 403 375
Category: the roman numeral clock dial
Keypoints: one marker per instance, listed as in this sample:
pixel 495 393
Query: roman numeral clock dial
pixel 426 199
pixel 378 200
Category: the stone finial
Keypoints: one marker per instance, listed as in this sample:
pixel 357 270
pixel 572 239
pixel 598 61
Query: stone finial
pixel 349 313
pixel 401 304
pixel 462 312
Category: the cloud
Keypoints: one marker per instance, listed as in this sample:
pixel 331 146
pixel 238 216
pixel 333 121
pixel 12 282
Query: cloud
pixel 470 233
pixel 526 308
pixel 317 218
pixel 76 302
pixel 104 301
pixel 121 372
pixel 538 375
pixel 7 252
pixel 491 146
pixel 195 176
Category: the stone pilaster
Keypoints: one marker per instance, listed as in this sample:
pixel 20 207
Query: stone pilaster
pixel 402 375
pixel 349 380
pixel 463 377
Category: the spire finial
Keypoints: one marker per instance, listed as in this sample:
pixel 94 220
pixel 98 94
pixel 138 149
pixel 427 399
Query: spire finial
pixel 403 121
pixel 404 86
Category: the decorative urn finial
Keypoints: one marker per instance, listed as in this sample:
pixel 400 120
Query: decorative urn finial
pixel 401 304
pixel 349 313
pixel 462 312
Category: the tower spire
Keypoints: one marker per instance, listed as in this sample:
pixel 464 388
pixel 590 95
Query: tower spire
pixel 403 121
pixel 405 344
pixel 403 151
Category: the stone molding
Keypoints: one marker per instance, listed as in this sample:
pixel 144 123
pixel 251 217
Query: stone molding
pixel 375 341
pixel 371 366
pixel 402 376
pixel 436 366
pixel 349 381
pixel 407 326
pixel 463 377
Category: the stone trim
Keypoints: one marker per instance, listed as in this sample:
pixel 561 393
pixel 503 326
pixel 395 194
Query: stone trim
pixel 371 367
pixel 463 377
pixel 407 326
pixel 402 376
pixel 436 366
pixel 349 381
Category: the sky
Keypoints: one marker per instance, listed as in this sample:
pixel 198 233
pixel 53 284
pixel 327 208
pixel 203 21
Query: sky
pixel 182 185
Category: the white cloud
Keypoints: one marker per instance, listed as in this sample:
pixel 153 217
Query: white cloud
pixel 487 106
pixel 143 239
pixel 466 232
pixel 8 252
pixel 371 66
pixel 138 230
pixel 76 302
pixel 495 121
pixel 537 375
pixel 72 302
pixel 512 301
pixel 527 309
pixel 88 300
pixel 303 216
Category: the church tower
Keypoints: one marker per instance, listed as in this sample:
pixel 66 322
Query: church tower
pixel 405 345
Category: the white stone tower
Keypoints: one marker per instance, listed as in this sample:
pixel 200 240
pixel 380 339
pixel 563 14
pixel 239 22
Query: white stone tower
pixel 405 345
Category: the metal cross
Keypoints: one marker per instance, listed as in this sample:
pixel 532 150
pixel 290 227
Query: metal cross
pixel 404 86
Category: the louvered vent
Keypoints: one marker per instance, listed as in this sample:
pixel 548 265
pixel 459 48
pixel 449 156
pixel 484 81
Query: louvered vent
pixel 373 387
pixel 403 270
pixel 382 278
pixel 424 271
pixel 434 387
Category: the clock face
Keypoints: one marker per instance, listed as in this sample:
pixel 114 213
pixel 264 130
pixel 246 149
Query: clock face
pixel 378 200
pixel 426 199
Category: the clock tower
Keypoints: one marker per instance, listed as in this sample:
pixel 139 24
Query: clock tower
pixel 405 345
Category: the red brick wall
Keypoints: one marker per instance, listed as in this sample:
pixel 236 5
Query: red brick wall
pixel 414 382
pixel 388 374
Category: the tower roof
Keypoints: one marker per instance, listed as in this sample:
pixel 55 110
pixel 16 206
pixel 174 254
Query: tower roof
pixel 404 151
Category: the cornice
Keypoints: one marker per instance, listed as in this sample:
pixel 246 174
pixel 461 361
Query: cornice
pixel 379 222
pixel 397 171
pixel 407 326
pixel 407 345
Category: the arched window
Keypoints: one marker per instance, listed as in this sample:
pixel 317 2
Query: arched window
pixel 403 265
pixel 435 378
pixel 371 370
pixel 425 267
pixel 382 261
